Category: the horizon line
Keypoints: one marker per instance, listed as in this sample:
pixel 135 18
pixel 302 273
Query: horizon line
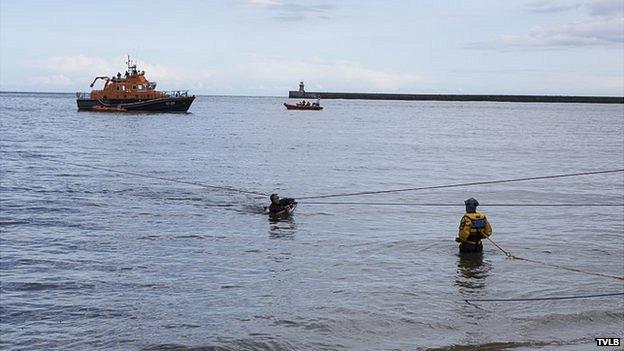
pixel 337 92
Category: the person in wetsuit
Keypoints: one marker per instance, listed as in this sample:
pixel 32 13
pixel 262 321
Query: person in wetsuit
pixel 473 227
pixel 278 205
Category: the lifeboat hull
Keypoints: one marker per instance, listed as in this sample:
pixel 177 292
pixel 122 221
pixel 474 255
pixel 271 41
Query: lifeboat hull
pixel 169 104
pixel 297 107
pixel 100 108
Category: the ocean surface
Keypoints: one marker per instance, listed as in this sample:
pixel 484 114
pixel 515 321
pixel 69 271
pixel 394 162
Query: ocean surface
pixel 96 260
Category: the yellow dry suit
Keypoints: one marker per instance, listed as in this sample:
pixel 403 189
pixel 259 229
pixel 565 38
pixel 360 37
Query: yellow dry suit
pixel 474 227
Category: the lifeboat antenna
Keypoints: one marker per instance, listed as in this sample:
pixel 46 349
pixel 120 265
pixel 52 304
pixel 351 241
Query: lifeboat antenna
pixel 131 66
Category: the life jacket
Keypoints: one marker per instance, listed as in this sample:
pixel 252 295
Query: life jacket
pixel 278 207
pixel 477 225
pixel 281 206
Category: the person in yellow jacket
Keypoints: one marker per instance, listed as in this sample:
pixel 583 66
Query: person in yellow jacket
pixel 473 227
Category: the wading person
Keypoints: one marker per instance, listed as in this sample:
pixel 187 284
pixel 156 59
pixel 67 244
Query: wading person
pixel 279 206
pixel 472 228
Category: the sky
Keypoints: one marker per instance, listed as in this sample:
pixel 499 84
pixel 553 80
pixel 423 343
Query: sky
pixel 265 47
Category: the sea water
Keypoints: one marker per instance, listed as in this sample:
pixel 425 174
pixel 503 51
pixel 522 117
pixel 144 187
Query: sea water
pixel 96 260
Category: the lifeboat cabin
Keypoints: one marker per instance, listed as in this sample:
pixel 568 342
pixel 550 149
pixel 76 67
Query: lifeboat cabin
pixel 132 92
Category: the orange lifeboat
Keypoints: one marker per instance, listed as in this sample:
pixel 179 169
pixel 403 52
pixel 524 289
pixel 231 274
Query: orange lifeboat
pixel 132 92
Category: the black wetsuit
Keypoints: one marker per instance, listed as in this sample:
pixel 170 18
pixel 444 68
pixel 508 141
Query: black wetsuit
pixel 470 247
pixel 281 205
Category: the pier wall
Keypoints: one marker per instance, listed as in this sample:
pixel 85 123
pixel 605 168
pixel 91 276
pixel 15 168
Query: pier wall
pixel 439 97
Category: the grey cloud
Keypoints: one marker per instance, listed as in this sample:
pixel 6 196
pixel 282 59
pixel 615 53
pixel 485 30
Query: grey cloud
pixel 606 7
pixel 292 11
pixel 603 25
pixel 551 6
pixel 594 33
pixel 594 7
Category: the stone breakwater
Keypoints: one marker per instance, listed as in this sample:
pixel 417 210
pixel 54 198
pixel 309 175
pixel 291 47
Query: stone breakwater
pixel 294 94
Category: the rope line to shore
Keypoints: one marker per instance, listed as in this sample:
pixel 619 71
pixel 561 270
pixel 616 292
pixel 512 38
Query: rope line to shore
pixel 226 188
pixel 427 204
pixel 546 298
pixel 568 268
pixel 507 253
pixel 572 269
pixel 457 185
pixel 251 192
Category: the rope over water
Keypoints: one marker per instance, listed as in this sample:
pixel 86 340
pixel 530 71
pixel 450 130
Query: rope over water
pixel 427 204
pixel 226 188
pixel 545 298
pixel 619 277
pixel 251 192
pixel 462 184
pixel 572 269
pixel 507 253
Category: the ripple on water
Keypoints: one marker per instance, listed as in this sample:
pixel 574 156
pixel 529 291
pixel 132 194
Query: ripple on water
pixel 93 260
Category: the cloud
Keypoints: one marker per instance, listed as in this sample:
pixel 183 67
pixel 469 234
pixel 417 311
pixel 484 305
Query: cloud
pixel 602 24
pixel 293 11
pixel 593 7
pixel 590 33
pixel 80 69
pixel 606 7
pixel 66 71
pixel 551 6
pixel 276 75
pixel 78 63
pixel 337 74
pixel 262 75
pixel 55 80
pixel 263 3
pixel 257 75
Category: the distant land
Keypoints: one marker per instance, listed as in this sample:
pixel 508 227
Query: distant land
pixel 302 94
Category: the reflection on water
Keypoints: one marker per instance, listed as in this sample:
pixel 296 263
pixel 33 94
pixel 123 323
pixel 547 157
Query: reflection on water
pixel 472 272
pixel 282 228
pixel 470 281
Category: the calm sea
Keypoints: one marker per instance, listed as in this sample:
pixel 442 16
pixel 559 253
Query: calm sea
pixel 95 260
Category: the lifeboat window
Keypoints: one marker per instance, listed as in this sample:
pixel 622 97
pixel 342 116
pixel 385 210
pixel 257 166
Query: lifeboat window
pixel 118 88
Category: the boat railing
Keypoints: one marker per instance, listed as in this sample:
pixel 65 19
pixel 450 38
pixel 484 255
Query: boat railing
pixel 173 93
pixel 176 93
